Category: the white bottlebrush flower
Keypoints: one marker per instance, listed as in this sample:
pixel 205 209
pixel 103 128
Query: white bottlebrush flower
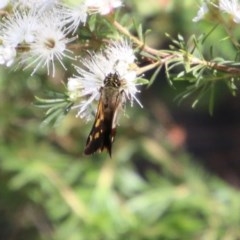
pixel 232 7
pixel 18 28
pixel 35 4
pixel 73 16
pixel 103 7
pixel 40 38
pixel 86 86
pixel 7 55
pixel 49 45
pixel 203 10
pixel 3 3
pixel 118 57
pixel 122 56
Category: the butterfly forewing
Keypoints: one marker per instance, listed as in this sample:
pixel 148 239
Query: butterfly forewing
pixel 104 128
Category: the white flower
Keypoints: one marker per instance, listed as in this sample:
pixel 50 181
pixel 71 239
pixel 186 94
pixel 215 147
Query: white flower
pixel 39 36
pixel 34 4
pixel 18 28
pixel 73 16
pixel 3 3
pixel 232 7
pixel 118 57
pixel 104 7
pixel 203 10
pixel 50 44
pixel 7 55
pixel 122 56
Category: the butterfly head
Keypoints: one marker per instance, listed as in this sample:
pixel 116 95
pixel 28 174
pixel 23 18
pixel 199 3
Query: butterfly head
pixel 112 80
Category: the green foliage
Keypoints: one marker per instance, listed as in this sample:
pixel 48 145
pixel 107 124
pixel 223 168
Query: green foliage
pixel 50 191
pixel 202 74
pixel 57 105
pixel 63 197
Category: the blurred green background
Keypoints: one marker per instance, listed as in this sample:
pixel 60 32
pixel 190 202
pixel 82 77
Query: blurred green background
pixel 174 174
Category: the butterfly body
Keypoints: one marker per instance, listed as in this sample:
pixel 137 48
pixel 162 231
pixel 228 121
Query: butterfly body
pixel 111 102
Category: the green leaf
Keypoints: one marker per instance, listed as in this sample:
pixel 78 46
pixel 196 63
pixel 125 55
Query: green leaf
pixel 153 77
pixel 57 108
pixel 92 22
pixel 142 81
pixel 140 32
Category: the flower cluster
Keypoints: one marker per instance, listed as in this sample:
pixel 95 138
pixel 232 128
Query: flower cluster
pixel 118 57
pixel 230 7
pixel 35 33
pixel 103 7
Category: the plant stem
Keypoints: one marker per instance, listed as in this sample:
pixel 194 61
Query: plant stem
pixel 148 67
pixel 169 55
pixel 138 42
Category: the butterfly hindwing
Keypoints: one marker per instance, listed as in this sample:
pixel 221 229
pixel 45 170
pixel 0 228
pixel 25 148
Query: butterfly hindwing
pixel 95 138
pixel 100 137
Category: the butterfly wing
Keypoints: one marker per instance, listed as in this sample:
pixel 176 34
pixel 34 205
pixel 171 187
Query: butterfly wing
pixel 100 136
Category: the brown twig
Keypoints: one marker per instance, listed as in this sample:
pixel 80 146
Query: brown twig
pixel 165 56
